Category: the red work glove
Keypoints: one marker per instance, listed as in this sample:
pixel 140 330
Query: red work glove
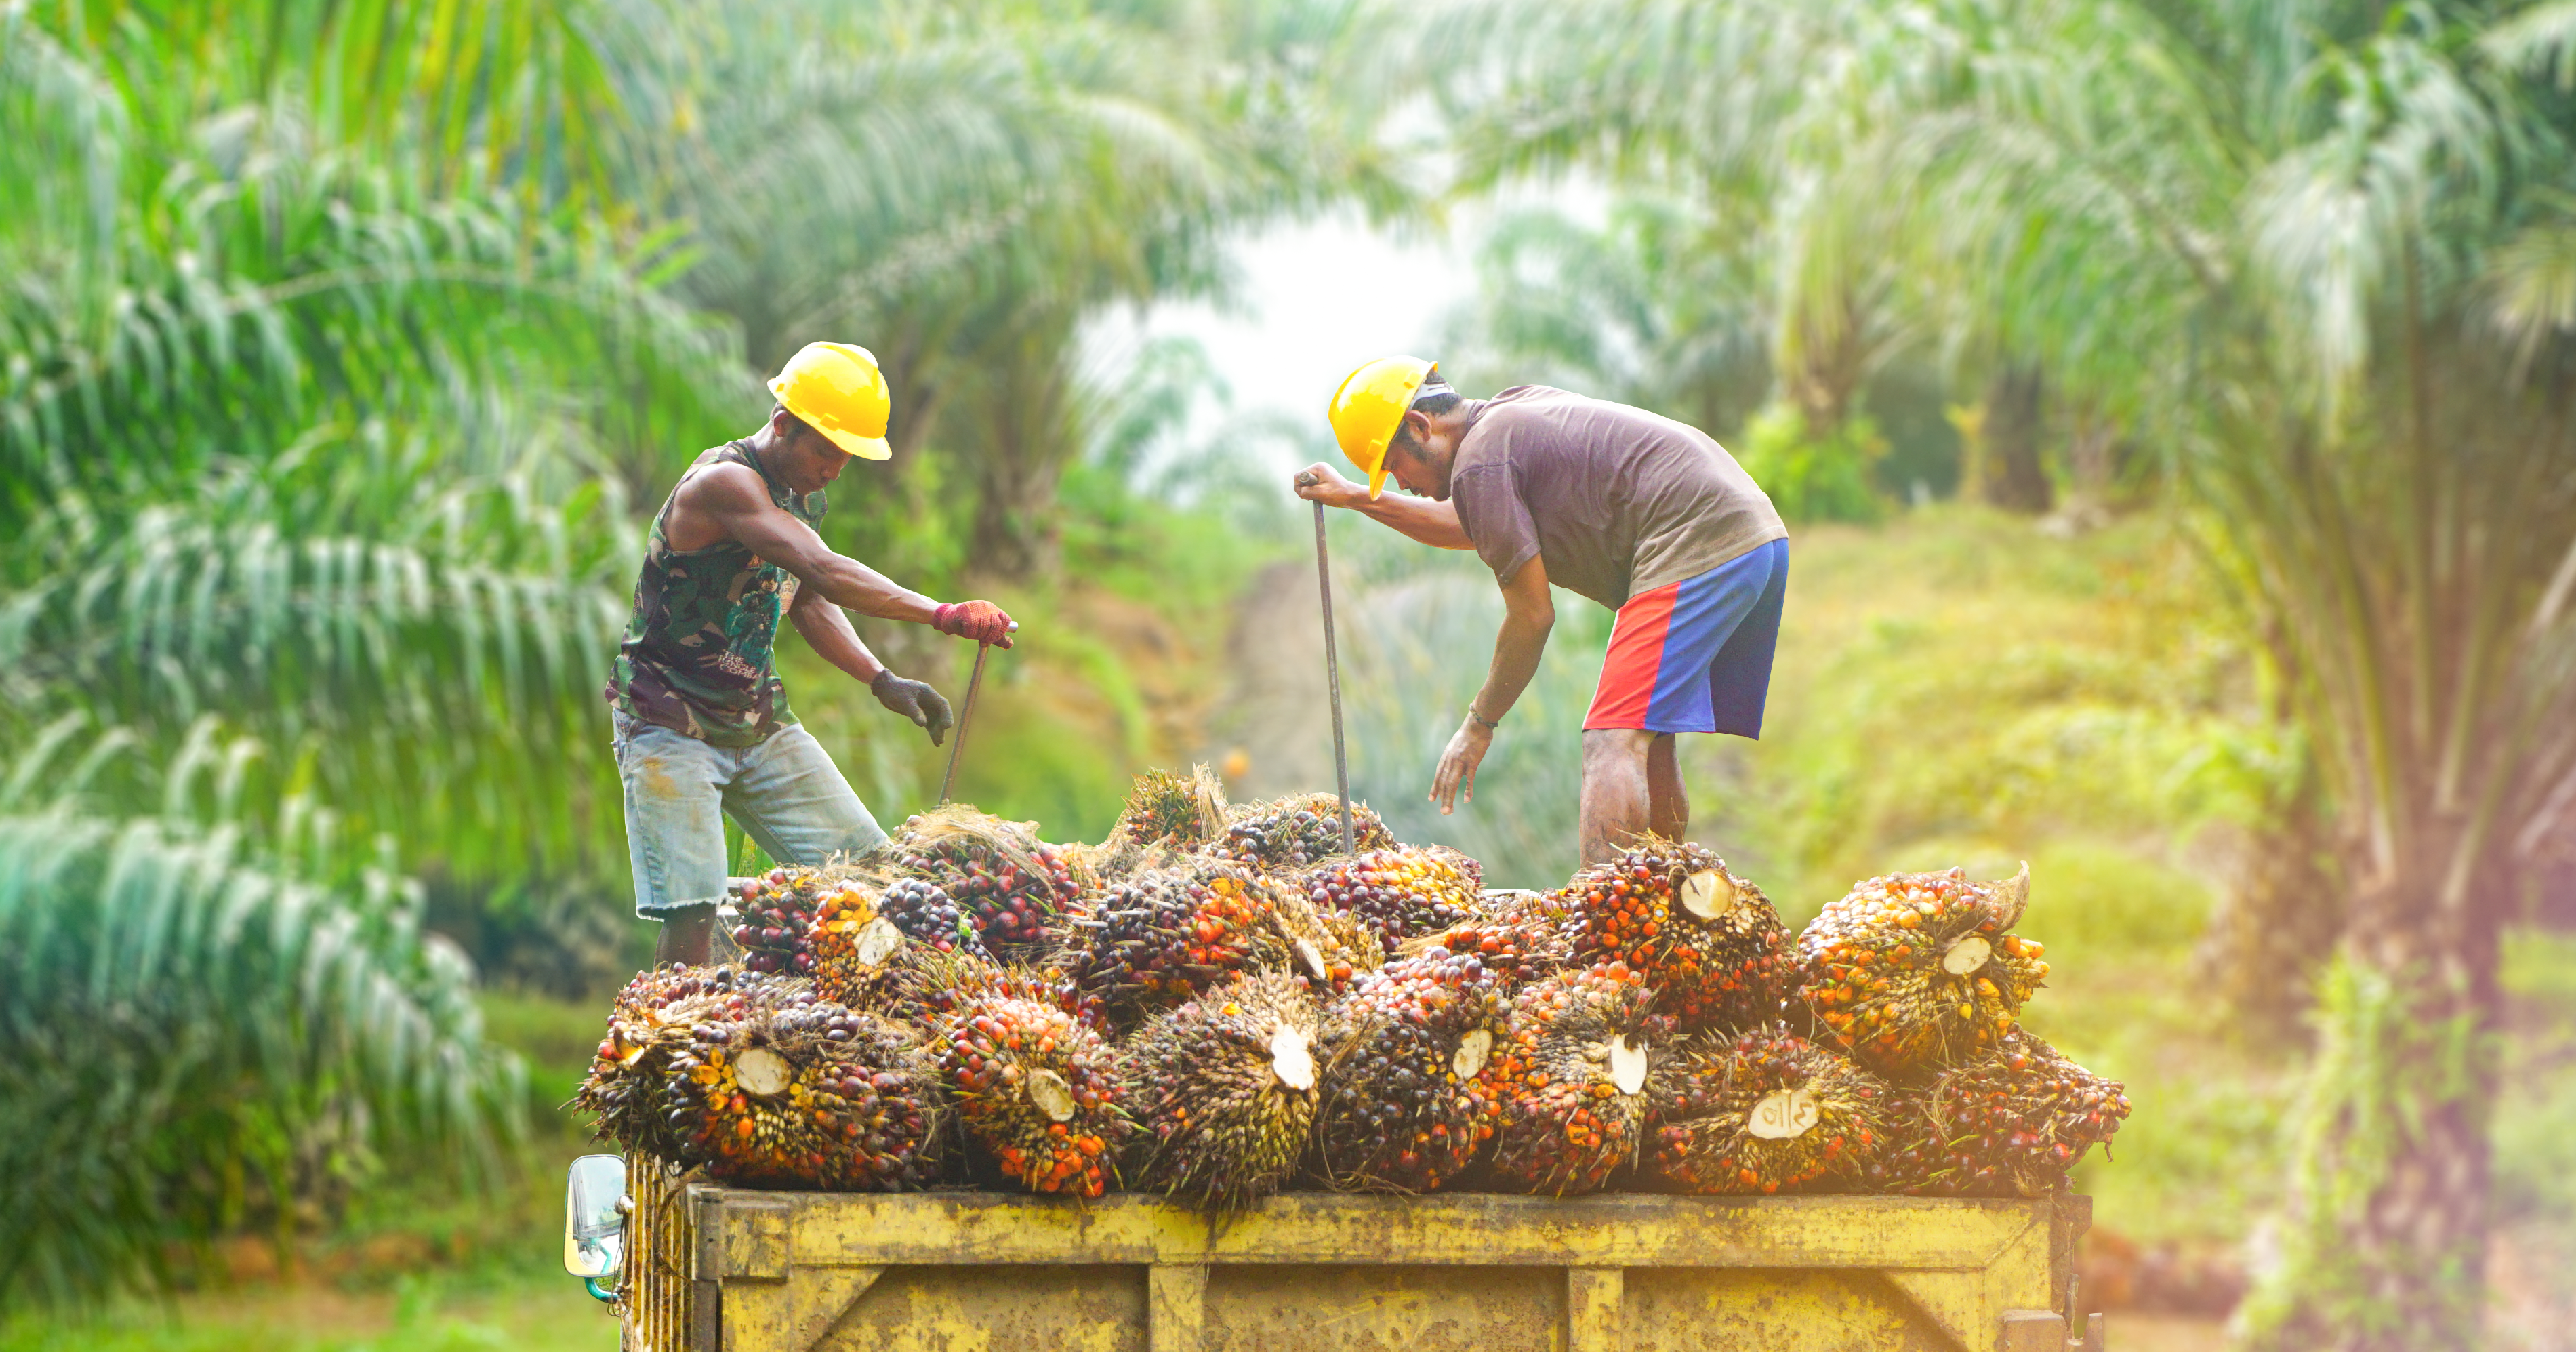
pixel 981 621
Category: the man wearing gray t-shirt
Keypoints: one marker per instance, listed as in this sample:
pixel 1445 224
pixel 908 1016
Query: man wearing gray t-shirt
pixel 1645 515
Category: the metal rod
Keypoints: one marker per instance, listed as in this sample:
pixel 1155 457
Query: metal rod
pixel 1333 677
pixel 957 748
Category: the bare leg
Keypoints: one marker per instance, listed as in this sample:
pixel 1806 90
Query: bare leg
pixel 1615 797
pixel 688 935
pixel 1667 797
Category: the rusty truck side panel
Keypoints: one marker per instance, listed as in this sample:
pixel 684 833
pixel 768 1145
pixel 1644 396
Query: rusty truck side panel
pixel 727 1270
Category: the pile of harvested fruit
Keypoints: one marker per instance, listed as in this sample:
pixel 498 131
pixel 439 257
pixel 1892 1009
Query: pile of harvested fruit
pixel 1216 1004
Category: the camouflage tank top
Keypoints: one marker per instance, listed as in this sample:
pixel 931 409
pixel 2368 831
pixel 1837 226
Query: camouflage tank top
pixel 697 657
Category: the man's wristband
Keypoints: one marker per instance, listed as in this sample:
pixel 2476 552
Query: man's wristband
pixel 1489 724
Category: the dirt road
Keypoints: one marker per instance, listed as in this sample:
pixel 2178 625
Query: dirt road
pixel 1272 730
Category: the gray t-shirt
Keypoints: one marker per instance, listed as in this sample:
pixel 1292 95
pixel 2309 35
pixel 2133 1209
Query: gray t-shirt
pixel 1616 500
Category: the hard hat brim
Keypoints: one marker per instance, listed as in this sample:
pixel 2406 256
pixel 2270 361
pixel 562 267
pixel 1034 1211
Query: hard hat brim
pixel 865 448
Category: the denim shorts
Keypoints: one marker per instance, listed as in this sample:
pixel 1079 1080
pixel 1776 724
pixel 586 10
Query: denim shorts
pixel 784 792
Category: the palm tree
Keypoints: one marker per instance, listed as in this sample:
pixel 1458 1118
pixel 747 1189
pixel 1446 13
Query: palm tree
pixel 968 186
pixel 1662 308
pixel 314 552
pixel 2319 249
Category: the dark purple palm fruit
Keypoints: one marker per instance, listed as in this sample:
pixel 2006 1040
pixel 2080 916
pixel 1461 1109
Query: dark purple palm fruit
pixel 1010 884
pixel 772 916
pixel 2008 1122
pixel 1403 1108
pixel 924 912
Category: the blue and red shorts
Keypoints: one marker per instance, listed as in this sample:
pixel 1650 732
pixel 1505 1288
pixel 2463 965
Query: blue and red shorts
pixel 1695 655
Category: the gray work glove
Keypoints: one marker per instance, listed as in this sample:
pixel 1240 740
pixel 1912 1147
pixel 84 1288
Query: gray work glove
pixel 914 700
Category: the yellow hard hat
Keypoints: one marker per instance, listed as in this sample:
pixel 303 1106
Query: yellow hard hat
pixel 1370 405
pixel 838 390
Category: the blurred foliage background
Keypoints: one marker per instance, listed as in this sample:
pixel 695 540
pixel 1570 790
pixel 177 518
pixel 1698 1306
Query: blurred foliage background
pixel 2171 399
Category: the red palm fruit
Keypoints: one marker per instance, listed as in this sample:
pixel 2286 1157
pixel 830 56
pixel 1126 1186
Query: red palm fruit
pixel 1006 882
pixel 1403 1108
pixel 771 914
pixel 1764 1111
pixel 781 1088
pixel 1518 935
pixel 852 942
pixel 2009 1122
pixel 1165 934
pixel 1915 970
pixel 1225 1090
pixel 1569 1080
pixel 1038 1090
pixel 1709 944
pixel 627 1090
pixel 1400 893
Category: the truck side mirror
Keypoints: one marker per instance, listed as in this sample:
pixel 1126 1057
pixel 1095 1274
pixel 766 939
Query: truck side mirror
pixel 595 1208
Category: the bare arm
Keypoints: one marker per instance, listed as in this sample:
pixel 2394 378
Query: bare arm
pixel 827 631
pixel 1433 523
pixel 827 628
pixel 1529 612
pixel 730 501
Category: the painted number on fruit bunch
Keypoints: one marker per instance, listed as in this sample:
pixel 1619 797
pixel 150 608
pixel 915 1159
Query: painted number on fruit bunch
pixel 1783 1114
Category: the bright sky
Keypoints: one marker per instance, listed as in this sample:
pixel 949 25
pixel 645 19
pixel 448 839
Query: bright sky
pixel 1314 301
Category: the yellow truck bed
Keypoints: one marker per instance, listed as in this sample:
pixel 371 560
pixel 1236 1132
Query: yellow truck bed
pixel 715 1269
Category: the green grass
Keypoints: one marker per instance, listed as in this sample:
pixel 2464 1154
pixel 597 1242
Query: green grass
pixel 420 1263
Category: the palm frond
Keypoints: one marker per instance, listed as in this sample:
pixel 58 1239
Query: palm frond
pixel 197 1037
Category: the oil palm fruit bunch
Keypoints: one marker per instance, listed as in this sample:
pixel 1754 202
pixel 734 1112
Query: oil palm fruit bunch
pixel 1226 1090
pixel 1300 830
pixel 1038 1089
pixel 1709 944
pixel 1569 1080
pixel 2008 1123
pixel 655 1016
pixel 782 1088
pixel 1166 807
pixel 771 915
pixel 1763 1111
pixel 1166 934
pixel 923 910
pixel 853 943
pixel 1402 1107
pixel 1009 883
pixel 1401 892
pixel 1916 969
pixel 1518 935
pixel 924 986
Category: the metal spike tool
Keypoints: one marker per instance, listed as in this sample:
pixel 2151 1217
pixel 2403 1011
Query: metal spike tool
pixel 957 748
pixel 1332 665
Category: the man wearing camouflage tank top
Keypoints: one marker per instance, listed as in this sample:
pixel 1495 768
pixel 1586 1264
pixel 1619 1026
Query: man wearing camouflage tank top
pixel 703 727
